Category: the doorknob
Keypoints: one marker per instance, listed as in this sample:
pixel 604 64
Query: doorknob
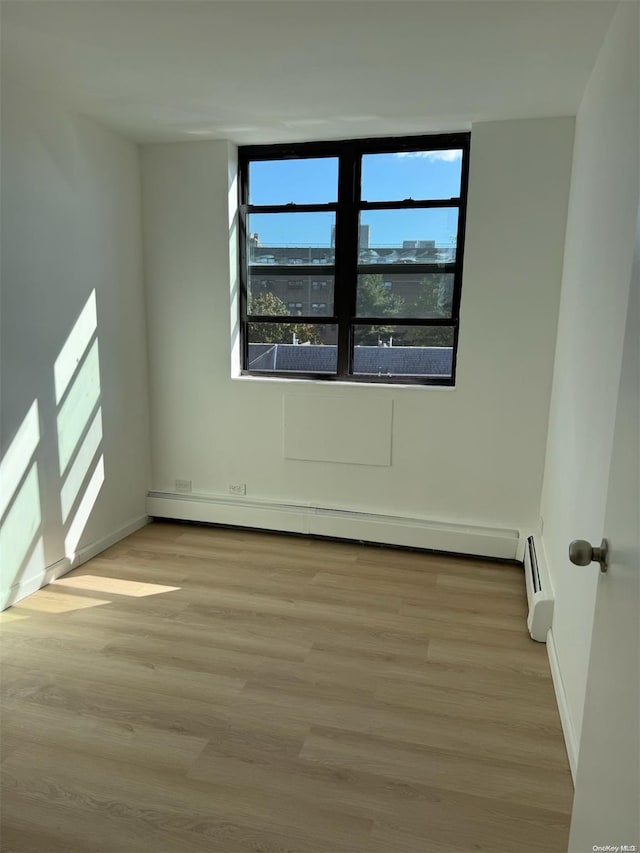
pixel 582 553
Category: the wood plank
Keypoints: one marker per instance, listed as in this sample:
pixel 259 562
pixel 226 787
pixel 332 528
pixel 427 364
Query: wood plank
pixel 498 778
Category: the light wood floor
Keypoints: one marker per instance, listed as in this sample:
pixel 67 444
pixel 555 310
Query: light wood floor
pixel 196 690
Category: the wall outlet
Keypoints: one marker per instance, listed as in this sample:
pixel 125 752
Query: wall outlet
pixel 237 488
pixel 183 485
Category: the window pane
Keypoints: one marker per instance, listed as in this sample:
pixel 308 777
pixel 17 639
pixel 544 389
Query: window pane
pixel 411 174
pixel 293 347
pixel 408 236
pixel 420 295
pixel 271 294
pixel 291 239
pixel 310 181
pixel 403 351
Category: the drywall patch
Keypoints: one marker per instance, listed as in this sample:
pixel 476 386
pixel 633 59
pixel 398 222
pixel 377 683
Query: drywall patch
pixel 355 430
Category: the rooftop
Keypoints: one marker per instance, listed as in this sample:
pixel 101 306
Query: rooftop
pixel 367 360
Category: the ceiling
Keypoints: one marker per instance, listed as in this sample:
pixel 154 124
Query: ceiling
pixel 263 71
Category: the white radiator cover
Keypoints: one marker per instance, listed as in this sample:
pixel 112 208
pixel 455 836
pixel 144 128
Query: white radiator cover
pixel 539 590
pixel 335 522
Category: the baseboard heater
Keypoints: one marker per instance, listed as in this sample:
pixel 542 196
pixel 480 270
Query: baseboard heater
pixel 539 593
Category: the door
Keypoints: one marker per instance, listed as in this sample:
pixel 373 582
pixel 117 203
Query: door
pixel 606 808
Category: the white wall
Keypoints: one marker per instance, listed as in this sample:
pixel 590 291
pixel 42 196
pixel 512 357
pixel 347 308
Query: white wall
pixel 71 234
pixel 472 455
pixel 595 288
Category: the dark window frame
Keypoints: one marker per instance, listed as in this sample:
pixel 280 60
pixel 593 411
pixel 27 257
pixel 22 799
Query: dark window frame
pixel 346 264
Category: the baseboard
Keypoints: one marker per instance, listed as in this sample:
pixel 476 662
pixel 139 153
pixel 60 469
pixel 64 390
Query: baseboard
pixel 27 586
pixel 95 548
pixel 500 543
pixel 568 730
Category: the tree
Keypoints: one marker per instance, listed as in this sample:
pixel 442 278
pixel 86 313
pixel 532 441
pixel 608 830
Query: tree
pixel 435 300
pixel 436 296
pixel 278 333
pixel 375 300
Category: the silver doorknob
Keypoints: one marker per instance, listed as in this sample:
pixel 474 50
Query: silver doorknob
pixel 582 553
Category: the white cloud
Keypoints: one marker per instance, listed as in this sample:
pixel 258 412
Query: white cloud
pixel 434 156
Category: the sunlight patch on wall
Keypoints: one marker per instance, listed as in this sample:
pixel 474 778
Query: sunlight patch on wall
pixel 115 586
pixel 21 547
pixel 75 347
pixel 83 512
pixel 78 406
pixel 20 528
pixel 76 379
pixel 81 465
pixel 79 422
pixel 233 191
pixel 18 455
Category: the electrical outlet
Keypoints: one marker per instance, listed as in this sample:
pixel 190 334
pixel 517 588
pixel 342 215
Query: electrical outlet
pixel 183 485
pixel 237 488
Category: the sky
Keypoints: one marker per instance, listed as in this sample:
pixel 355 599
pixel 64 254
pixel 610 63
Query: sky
pixel 385 177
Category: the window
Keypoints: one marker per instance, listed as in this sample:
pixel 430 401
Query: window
pixel 377 226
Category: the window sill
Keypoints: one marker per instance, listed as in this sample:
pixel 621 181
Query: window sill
pixel 333 383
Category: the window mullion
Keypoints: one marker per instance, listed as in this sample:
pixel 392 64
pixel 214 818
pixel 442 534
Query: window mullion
pixel 346 258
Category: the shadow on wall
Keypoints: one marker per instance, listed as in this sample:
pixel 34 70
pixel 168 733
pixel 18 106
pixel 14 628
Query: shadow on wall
pixel 76 380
